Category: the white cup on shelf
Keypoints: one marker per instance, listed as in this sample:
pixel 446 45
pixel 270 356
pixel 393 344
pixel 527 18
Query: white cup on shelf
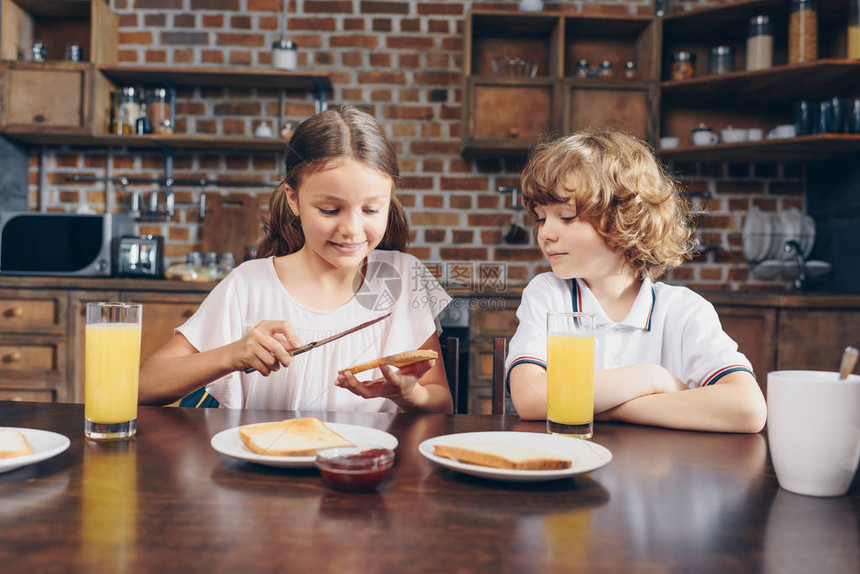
pixel 669 142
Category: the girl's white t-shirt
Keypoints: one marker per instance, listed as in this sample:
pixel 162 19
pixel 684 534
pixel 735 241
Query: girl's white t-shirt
pixel 395 282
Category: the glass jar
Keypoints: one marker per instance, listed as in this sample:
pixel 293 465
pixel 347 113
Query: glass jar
pixel 38 52
pixel 583 69
pixel 853 29
pixel 226 263
pixel 721 60
pixel 606 70
pixel 285 56
pixel 803 32
pixel 159 111
pixel 127 111
pixel 210 265
pixel 759 43
pixel 683 65
pixel 630 70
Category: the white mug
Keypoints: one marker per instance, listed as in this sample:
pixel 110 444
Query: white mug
pixel 813 429
pixel 703 137
pixel 669 142
pixel 782 131
pixel 754 134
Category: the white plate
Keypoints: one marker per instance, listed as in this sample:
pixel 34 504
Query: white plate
pixel 751 235
pixel 228 442
pixel 808 237
pixel 46 444
pixel 584 455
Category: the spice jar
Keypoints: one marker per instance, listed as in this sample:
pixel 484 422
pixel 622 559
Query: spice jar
pixel 803 32
pixel 583 69
pixel 853 29
pixel 759 43
pixel 38 51
pixel 284 55
pixel 683 65
pixel 127 111
pixel 630 70
pixel 159 111
pixel 606 71
pixel 721 60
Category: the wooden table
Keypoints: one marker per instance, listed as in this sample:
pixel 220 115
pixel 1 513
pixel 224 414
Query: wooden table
pixel 669 501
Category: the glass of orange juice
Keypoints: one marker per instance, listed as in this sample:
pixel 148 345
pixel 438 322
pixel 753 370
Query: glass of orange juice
pixel 570 374
pixel 112 367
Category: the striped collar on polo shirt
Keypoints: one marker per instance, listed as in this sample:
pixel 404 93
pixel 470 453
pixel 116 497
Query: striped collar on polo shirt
pixel 640 315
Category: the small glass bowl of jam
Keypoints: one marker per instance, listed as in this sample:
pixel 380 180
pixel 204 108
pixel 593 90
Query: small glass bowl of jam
pixel 354 468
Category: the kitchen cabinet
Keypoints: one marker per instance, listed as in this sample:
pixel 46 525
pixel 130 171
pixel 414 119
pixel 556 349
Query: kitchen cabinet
pixel 33 345
pixel 754 330
pixel 815 338
pixel 55 95
pixel 755 99
pixel 43 323
pixel 506 110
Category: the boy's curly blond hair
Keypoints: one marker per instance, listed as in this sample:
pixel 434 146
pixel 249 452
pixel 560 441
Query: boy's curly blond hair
pixel 616 183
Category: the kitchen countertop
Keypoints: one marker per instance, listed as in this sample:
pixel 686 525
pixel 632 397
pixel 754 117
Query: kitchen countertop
pixel 786 299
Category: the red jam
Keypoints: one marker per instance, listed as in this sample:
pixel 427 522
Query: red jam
pixel 353 469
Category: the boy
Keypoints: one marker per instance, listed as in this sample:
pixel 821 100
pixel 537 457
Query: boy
pixel 609 220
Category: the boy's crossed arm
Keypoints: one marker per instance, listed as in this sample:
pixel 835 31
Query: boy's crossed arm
pixel 651 395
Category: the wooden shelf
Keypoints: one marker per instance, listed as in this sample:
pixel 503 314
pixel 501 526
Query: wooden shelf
pixel 782 83
pixel 228 77
pixel 152 141
pixel 802 149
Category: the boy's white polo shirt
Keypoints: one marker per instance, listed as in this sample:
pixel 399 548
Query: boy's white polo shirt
pixel 667 325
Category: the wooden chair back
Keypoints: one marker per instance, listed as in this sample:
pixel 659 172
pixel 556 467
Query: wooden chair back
pixel 451 356
pixel 500 352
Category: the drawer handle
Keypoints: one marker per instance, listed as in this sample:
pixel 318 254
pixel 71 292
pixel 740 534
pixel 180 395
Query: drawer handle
pixel 14 312
pixel 514 133
pixel 187 313
pixel 13 357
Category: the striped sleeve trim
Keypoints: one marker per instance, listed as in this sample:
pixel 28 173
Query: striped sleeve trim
pixel 521 360
pixel 725 371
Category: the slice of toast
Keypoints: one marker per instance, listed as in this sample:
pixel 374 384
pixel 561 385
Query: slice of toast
pixel 500 455
pixel 291 437
pixel 398 360
pixel 13 444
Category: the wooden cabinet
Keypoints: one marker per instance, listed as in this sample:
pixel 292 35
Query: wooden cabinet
pixel 507 109
pixel 56 95
pixel 33 345
pixel 43 324
pixel 62 97
pixel 815 338
pixel 754 330
pixel 755 99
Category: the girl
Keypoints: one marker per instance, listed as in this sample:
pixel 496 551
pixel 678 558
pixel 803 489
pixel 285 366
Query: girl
pixel 318 273
pixel 610 221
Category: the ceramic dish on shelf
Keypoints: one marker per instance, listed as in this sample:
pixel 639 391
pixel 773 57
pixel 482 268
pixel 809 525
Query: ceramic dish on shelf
pixel 751 234
pixel 807 237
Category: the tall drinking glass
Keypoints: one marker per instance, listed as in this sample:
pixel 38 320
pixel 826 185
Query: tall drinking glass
pixel 112 369
pixel 570 374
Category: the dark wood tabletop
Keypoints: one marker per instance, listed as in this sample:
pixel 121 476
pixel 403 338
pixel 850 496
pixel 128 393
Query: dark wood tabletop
pixel 669 501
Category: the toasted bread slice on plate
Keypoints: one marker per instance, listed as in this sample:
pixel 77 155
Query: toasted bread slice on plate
pixel 13 444
pixel 500 455
pixel 291 437
pixel 398 360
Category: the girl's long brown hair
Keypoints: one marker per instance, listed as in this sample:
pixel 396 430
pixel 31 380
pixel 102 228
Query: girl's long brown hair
pixel 320 143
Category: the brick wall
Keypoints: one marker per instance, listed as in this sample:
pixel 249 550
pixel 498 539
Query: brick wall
pixel 402 61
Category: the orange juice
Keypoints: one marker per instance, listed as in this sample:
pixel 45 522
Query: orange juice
pixel 112 368
pixel 570 378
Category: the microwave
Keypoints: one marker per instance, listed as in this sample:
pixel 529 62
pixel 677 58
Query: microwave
pixel 57 244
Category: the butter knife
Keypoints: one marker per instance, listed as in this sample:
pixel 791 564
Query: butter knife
pixel 321 342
